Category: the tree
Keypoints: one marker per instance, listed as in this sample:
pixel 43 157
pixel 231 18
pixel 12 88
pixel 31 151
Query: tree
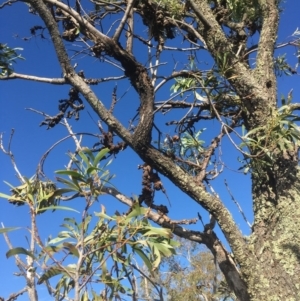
pixel 190 274
pixel 239 91
pixel 93 256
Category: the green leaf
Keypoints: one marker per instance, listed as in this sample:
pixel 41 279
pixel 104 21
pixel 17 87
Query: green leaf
pixel 100 155
pixel 84 158
pixel 91 169
pixel 150 231
pixel 53 271
pixel 144 257
pixel 5 230
pixel 56 240
pixel 17 251
pixel 73 185
pixel 71 173
pixel 52 249
pixel 71 248
pixel 164 249
pixel 57 208
pixel 137 210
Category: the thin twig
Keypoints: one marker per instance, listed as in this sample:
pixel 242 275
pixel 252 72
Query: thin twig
pixel 9 2
pixel 14 296
pixel 118 31
pixel 20 264
pixel 237 204
pixel 11 155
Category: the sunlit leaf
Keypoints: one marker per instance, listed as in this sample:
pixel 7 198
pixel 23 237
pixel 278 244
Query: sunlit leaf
pixel 18 251
pixel 71 248
pixel 57 208
pixel 5 230
pixel 100 156
pixel 51 272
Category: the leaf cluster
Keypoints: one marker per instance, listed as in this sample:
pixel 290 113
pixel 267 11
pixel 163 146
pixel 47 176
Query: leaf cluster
pixel 280 135
pixel 95 255
pixel 8 56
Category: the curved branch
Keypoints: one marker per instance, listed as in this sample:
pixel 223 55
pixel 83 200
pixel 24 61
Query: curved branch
pixel 136 72
pixel 9 2
pixel 68 70
pixel 140 142
pixel 294 106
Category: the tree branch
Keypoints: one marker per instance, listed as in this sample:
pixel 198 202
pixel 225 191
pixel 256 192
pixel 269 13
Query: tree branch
pixel 136 72
pixel 199 14
pixel 59 81
pixel 126 15
pixel 53 81
pixel 140 142
pixel 9 2
pixel 68 70
pixel 266 45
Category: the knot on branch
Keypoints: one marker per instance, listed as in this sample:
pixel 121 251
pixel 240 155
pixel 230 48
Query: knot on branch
pixel 107 141
pixel 74 103
pixel 151 182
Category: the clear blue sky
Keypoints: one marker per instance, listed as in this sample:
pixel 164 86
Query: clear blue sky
pixel 31 141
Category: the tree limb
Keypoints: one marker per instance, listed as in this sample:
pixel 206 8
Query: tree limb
pixel 266 45
pixel 140 142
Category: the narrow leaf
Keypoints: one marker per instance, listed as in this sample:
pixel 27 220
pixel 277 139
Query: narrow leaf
pixel 49 274
pixel 100 155
pixel 57 208
pixel 17 251
pixel 5 230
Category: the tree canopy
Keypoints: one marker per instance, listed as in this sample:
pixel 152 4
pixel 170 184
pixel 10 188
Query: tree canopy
pixel 190 87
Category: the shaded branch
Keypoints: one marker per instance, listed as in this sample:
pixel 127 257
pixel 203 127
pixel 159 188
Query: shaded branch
pixel 199 14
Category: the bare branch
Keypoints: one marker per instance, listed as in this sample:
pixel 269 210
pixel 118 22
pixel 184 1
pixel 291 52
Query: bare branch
pixel 54 81
pixel 9 2
pixel 126 15
pixel 40 167
pixel 58 81
pixel 20 264
pixel 14 296
pixel 238 205
pixel 294 106
pixel 11 155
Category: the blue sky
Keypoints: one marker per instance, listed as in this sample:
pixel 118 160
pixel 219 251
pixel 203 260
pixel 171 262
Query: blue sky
pixel 30 141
